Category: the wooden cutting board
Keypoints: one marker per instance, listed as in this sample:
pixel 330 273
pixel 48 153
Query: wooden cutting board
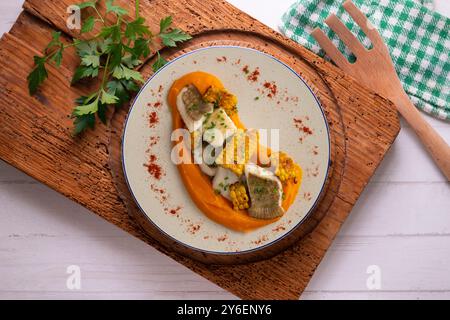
pixel 35 133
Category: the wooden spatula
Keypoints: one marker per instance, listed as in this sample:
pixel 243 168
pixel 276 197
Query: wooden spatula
pixel 374 69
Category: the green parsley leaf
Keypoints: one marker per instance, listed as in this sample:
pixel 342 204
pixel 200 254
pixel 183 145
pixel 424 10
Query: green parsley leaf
pixel 130 85
pixel 38 75
pixel 90 108
pixel 159 63
pixel 58 56
pixel 112 32
pixel 171 38
pixel 88 25
pixel 130 61
pixel 137 28
pixel 86 48
pixel 165 23
pixel 119 90
pixel 104 45
pixel 84 72
pixel 115 50
pixel 55 42
pixel 110 7
pixel 122 72
pixel 108 98
pixel 81 123
pixel 91 61
pixel 141 48
pixel 101 113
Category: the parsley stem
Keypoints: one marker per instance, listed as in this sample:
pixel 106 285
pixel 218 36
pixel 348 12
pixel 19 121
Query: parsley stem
pixel 99 15
pixel 137 8
pixel 68 45
pixel 106 73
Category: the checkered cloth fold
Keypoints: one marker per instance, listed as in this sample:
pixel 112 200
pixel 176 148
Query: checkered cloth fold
pixel 417 38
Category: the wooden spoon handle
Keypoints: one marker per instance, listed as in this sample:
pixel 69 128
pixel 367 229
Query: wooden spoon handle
pixel 435 144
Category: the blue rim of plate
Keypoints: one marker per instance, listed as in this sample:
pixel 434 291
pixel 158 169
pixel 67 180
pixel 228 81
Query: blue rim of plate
pixel 316 201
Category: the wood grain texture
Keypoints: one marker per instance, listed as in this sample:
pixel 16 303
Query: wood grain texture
pixel 38 141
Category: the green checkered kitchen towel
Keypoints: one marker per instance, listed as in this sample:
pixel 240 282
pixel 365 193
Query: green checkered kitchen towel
pixel 417 37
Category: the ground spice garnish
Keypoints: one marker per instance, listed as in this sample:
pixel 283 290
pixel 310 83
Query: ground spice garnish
pixel 175 211
pixel 153 119
pixel 302 128
pixel 154 140
pixel 246 70
pixel 307 196
pixel 156 189
pixel 272 87
pixel 222 59
pixel 262 239
pixel 314 172
pixel 157 104
pixel 279 228
pixel 193 228
pixel 153 168
pixel 254 75
pixel 307 130
pixel 222 238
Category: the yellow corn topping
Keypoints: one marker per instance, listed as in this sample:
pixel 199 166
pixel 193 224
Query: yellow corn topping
pixel 285 167
pixel 238 151
pixel 239 196
pixel 221 98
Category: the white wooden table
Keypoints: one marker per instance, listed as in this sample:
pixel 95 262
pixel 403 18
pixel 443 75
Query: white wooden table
pixel 401 224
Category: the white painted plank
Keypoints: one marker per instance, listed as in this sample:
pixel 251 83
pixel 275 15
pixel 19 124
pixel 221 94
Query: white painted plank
pixel 107 265
pixel 407 160
pixel 401 209
pixel 9 175
pixel 34 209
pixel 108 295
pixel 406 264
pixel 376 295
pixel 9 11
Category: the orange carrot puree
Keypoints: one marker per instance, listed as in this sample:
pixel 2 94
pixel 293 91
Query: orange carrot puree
pixel 199 186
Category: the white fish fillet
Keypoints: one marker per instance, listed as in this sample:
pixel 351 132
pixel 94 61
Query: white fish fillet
pixel 191 124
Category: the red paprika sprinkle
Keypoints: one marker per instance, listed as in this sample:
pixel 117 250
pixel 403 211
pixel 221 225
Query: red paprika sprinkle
pixel 153 119
pixel 254 75
pixel 153 168
pixel 307 130
pixel 272 88
pixel 175 211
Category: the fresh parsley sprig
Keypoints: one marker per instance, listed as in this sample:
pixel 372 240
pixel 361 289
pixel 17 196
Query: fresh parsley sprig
pixel 111 55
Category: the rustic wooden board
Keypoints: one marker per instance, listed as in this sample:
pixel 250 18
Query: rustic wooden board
pixel 35 134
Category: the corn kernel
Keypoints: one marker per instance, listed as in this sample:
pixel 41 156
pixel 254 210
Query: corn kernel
pixel 285 167
pixel 239 196
pixel 221 98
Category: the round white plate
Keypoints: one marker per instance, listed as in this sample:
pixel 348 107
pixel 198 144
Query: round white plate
pixel 292 108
